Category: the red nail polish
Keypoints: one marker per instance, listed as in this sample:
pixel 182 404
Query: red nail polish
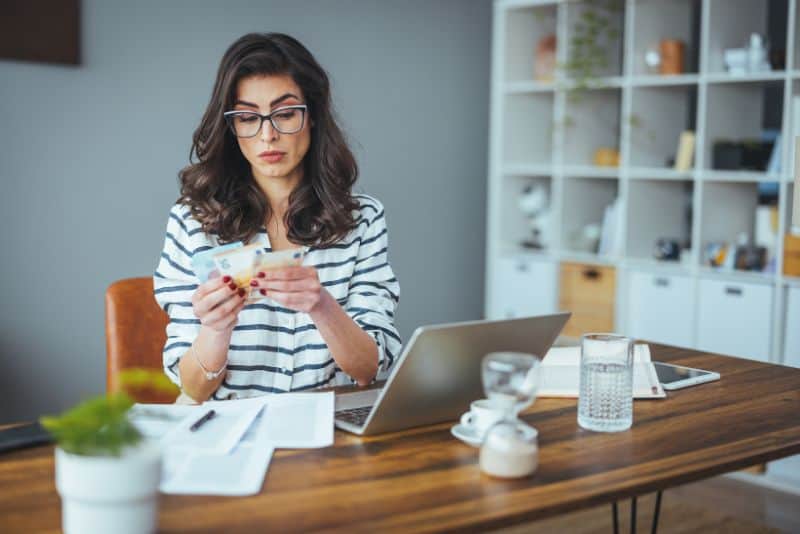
pixel 261 275
pixel 253 283
pixel 232 286
pixel 226 279
pixel 241 292
pixel 264 292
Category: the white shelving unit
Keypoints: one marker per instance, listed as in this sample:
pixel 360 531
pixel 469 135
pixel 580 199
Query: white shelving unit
pixel 538 134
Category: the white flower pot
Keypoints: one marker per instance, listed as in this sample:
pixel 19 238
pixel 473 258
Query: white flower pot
pixel 102 494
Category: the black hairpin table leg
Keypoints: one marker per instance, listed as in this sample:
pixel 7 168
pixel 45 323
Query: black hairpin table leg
pixel 656 512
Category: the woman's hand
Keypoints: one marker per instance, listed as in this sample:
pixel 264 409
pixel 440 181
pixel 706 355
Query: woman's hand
pixel 297 288
pixel 217 304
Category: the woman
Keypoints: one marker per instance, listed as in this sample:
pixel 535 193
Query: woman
pixel 271 166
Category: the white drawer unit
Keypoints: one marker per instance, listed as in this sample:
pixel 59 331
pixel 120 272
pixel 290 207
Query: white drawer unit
pixel 791 339
pixel 735 318
pixel 661 308
pixel 522 287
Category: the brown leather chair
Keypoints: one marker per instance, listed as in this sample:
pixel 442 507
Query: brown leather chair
pixel 135 333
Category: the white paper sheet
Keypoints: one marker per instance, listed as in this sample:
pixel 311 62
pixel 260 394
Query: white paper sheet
pixel 218 435
pixel 239 473
pixel 300 420
pixel 154 421
pixel 205 464
pixel 561 371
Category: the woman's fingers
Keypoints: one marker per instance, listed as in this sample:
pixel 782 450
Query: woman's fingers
pixel 221 313
pixel 214 298
pixel 288 286
pixel 296 301
pixel 287 273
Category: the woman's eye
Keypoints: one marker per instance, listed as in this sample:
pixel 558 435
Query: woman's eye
pixel 246 118
pixel 285 115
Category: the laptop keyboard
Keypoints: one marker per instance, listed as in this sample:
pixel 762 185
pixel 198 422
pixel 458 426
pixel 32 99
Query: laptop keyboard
pixel 355 416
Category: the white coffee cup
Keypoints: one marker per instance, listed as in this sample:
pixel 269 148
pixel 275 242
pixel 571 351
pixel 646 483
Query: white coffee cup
pixel 481 416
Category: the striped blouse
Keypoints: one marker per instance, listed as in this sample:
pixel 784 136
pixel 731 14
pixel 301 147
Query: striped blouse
pixel 274 349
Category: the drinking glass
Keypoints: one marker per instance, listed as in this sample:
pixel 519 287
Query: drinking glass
pixel 510 380
pixel 605 401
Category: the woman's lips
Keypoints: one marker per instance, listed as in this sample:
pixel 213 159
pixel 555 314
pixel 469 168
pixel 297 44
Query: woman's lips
pixel 272 156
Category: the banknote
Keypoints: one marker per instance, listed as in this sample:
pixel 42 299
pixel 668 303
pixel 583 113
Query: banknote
pixel 203 262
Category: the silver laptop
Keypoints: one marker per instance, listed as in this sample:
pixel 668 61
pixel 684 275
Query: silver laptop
pixel 439 373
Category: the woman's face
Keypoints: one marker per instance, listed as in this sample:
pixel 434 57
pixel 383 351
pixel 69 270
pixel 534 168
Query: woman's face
pixel 272 154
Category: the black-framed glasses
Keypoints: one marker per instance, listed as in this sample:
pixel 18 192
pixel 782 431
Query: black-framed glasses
pixel 286 120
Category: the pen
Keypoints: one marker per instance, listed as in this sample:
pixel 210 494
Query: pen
pixel 203 420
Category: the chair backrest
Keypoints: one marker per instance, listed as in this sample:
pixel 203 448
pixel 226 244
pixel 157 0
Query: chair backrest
pixel 135 333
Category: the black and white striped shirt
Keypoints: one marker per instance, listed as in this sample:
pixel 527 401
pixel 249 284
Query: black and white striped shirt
pixel 275 349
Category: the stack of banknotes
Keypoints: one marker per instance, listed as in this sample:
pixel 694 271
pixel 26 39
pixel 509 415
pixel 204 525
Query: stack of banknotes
pixel 243 262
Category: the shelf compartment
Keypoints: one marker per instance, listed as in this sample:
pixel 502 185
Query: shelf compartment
pixel 656 20
pixel 525 27
pixel 515 225
pixel 732 21
pixel 589 198
pixel 728 210
pixel 741 111
pixel 658 209
pixel 592 121
pixel 658 116
pixel 582 16
pixel 528 133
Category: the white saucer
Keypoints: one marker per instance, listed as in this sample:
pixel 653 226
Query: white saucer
pixel 466 434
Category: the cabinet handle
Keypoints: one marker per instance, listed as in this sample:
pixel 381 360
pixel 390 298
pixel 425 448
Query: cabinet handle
pixel 661 282
pixel 591 274
pixel 735 291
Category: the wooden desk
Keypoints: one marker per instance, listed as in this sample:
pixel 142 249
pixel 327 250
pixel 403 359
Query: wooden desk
pixel 425 480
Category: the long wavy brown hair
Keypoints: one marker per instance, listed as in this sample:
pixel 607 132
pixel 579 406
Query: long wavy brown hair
pixel 218 184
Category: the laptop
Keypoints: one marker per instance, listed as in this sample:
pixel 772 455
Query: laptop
pixel 439 373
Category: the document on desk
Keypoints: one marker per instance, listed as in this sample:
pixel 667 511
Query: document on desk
pixel 241 472
pixel 294 420
pixel 561 371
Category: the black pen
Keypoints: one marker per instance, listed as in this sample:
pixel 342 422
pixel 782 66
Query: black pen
pixel 200 422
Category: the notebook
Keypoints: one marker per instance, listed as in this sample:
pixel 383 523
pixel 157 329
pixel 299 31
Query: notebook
pixel 561 372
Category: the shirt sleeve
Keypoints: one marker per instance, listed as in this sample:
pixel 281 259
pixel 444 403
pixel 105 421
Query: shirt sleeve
pixel 174 282
pixel 374 291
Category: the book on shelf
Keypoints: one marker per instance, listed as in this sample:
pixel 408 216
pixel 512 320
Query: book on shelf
pixel 685 154
pixel 611 230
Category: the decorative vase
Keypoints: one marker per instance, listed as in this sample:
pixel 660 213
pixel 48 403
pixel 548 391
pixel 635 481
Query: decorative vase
pixel 101 494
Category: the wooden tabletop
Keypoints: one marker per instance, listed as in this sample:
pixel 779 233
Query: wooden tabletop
pixel 427 481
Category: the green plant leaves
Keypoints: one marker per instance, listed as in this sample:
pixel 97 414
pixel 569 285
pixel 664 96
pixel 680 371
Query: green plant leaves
pixel 96 427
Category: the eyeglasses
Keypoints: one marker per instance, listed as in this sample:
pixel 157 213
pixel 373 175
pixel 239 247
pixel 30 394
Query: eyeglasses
pixel 286 120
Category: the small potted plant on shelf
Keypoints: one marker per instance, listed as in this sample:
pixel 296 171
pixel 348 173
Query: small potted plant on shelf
pixel 106 473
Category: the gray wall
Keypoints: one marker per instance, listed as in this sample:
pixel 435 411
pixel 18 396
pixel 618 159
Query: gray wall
pixel 89 157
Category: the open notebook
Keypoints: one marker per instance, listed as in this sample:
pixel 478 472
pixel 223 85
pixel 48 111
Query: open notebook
pixel 561 372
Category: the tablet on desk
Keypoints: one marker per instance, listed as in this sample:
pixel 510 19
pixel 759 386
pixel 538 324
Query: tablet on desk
pixel 677 376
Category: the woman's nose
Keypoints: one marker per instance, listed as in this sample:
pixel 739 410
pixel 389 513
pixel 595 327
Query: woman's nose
pixel 268 131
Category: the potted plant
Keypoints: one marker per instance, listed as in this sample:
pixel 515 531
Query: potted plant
pixel 106 473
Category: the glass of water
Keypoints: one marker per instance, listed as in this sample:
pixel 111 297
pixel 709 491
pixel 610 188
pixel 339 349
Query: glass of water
pixel 605 402
pixel 510 380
